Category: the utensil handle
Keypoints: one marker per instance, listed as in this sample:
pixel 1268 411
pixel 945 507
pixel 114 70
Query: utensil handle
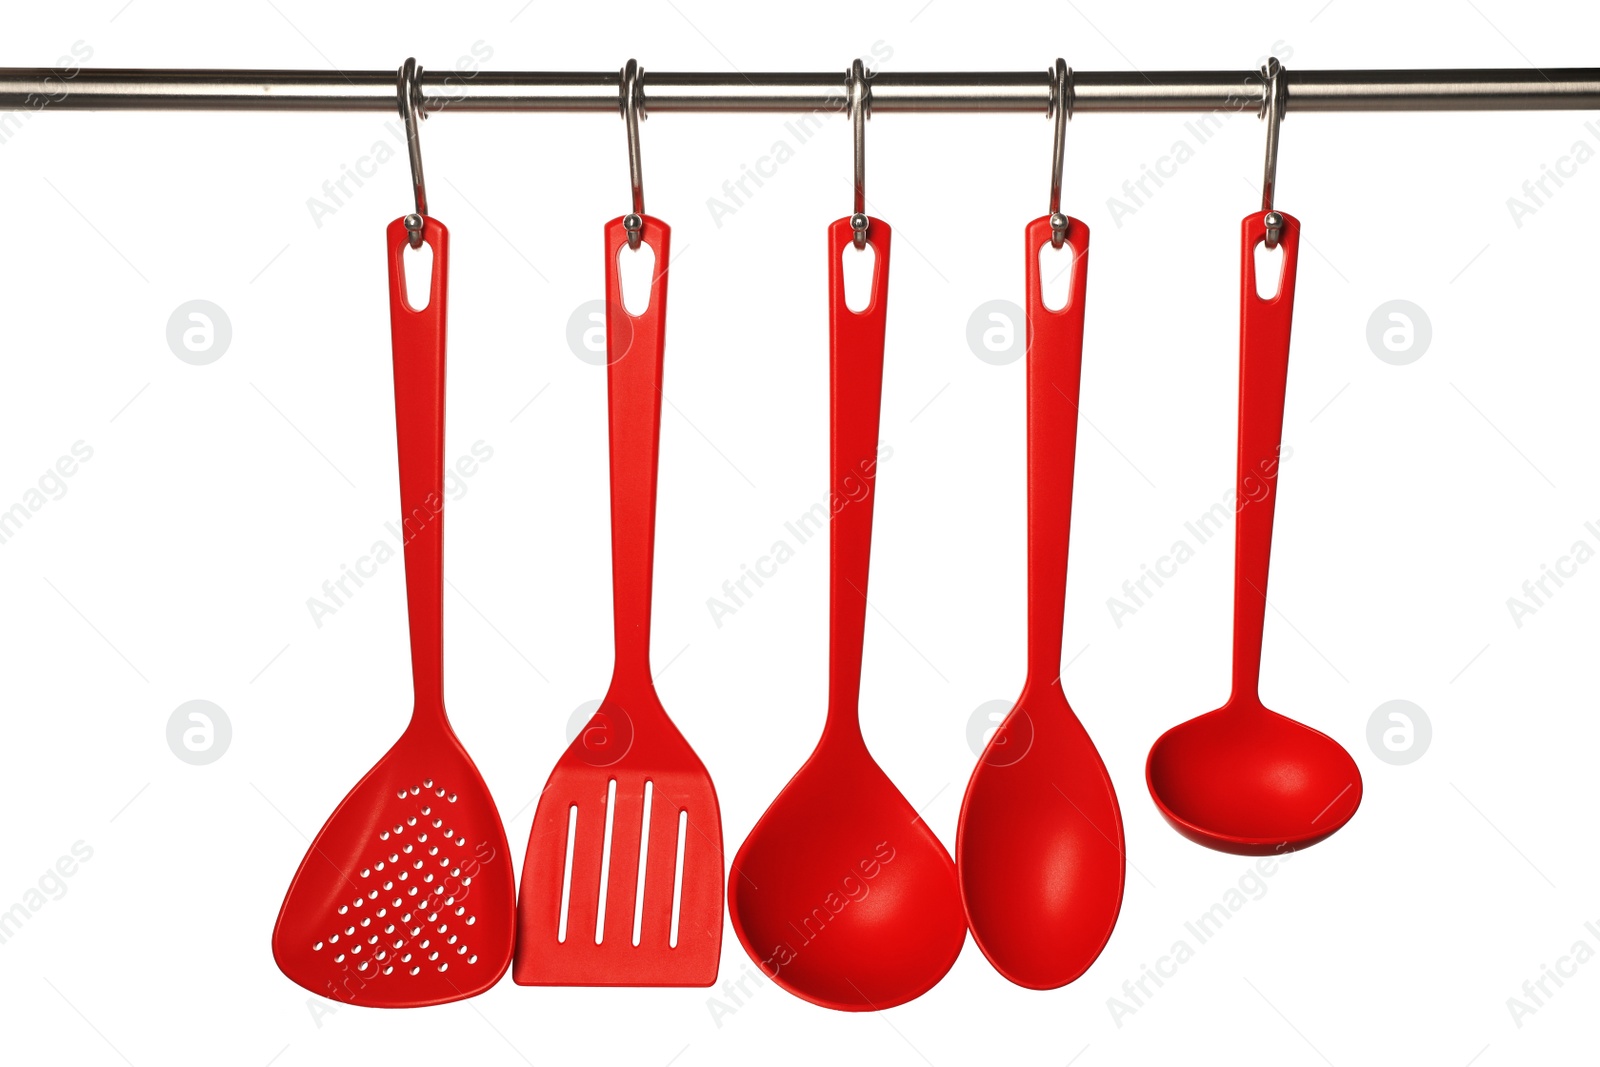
pixel 1263 376
pixel 634 348
pixel 419 360
pixel 855 349
pixel 1055 362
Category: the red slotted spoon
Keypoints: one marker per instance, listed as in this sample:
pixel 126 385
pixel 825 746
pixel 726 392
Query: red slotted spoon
pixel 1040 846
pixel 406 896
pixel 622 884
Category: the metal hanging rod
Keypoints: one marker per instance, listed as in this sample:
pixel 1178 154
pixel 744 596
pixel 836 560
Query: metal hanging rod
pixel 39 88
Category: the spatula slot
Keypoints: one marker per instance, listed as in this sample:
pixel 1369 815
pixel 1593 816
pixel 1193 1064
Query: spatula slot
pixel 677 879
pixel 566 874
pixel 644 857
pixel 605 862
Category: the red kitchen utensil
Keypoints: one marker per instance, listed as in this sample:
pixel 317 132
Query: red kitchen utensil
pixel 1039 846
pixel 622 884
pixel 841 893
pixel 406 896
pixel 1242 778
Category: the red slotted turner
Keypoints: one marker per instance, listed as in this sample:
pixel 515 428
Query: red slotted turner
pixel 406 896
pixel 622 884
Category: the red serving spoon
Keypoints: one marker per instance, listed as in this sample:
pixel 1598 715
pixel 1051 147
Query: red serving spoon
pixel 1039 846
pixel 622 884
pixel 841 893
pixel 406 897
pixel 1242 778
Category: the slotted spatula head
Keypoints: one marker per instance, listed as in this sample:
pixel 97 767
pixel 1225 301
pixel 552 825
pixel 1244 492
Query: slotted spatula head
pixel 628 791
pixel 406 896
pixel 622 884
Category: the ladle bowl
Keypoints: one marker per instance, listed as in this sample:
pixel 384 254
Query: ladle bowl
pixel 1040 852
pixel 841 893
pixel 1245 779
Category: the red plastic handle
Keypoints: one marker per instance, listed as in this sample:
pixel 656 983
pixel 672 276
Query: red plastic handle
pixel 418 338
pixel 855 347
pixel 1263 376
pixel 634 348
pixel 1055 362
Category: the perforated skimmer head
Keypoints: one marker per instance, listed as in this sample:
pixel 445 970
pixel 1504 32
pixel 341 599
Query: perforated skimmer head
pixel 406 896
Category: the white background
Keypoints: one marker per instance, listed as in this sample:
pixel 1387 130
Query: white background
pixel 178 564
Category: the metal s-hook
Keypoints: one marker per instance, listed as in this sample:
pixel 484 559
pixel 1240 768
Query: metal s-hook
pixel 408 87
pixel 858 101
pixel 1060 108
pixel 631 88
pixel 1274 105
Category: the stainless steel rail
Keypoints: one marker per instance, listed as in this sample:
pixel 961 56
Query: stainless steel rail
pixel 87 89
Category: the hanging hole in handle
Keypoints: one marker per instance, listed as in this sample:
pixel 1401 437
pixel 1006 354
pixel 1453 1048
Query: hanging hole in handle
pixel 1056 268
pixel 859 265
pixel 1269 269
pixel 636 270
pixel 417 265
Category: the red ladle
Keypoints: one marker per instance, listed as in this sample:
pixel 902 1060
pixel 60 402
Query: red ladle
pixel 1242 778
pixel 841 893
pixel 1039 847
